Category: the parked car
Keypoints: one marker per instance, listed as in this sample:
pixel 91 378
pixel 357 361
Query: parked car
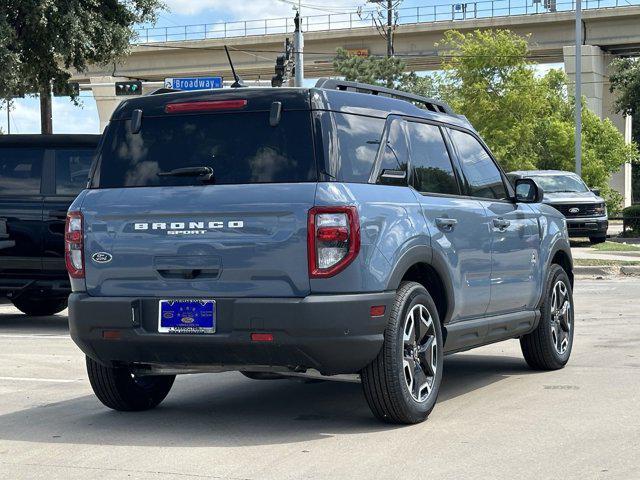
pixel 343 229
pixel 40 175
pixel 584 208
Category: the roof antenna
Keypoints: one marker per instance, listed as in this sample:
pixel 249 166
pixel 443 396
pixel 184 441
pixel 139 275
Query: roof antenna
pixel 238 81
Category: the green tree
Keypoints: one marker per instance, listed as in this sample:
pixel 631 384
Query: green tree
pixel 372 70
pixel 383 71
pixel 41 40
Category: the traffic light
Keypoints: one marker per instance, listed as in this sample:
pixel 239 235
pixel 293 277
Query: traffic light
pixel 284 65
pixel 280 69
pixel 130 87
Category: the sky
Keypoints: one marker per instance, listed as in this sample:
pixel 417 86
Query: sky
pixel 68 118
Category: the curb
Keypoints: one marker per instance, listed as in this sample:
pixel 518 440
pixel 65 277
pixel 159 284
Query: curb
pixel 596 271
pixel 630 270
pixel 607 271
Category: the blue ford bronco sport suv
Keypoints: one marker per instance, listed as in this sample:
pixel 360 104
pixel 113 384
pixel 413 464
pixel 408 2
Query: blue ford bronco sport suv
pixel 341 229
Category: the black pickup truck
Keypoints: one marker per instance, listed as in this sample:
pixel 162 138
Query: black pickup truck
pixel 40 175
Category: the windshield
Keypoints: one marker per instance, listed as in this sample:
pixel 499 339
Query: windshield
pixel 239 148
pixel 560 183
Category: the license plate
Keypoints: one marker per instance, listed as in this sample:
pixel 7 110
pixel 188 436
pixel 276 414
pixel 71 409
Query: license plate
pixel 187 316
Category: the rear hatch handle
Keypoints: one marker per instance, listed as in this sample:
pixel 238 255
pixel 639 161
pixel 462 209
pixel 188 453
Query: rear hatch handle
pixel 188 267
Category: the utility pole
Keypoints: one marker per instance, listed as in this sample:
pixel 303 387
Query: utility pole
pixel 385 30
pixel 578 138
pixel 389 28
pixel 298 44
pixel 8 116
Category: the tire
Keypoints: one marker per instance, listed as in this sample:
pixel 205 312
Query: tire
pixel 39 307
pixel 118 389
pixel 548 347
pixel 386 380
pixel 596 240
pixel 262 375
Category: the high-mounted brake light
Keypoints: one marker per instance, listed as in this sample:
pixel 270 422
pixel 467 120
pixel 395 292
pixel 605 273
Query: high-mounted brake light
pixel 205 106
pixel 333 240
pixel 74 245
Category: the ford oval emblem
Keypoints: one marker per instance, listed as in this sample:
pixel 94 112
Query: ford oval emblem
pixel 101 257
pixel 574 210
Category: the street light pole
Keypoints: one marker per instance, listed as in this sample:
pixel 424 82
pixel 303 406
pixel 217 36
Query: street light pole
pixel 298 44
pixel 578 138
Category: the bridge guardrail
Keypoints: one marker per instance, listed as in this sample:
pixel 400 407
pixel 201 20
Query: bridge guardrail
pixel 365 18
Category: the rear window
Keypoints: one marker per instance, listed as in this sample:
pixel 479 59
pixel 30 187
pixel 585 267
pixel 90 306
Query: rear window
pixel 20 171
pixel 240 148
pixel 72 169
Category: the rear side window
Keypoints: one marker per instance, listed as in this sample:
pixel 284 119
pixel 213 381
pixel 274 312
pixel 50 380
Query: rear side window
pixel 240 148
pixel 20 171
pixel 72 170
pixel 352 150
pixel 395 153
pixel 482 174
pixel 431 166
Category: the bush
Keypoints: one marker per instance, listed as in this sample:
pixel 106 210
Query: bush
pixel 632 217
pixel 613 199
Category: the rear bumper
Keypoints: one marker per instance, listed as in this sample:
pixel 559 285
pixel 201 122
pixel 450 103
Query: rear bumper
pixel 330 333
pixel 585 227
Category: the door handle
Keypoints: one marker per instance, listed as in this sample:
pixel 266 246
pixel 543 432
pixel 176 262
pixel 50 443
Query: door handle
pixel 501 223
pixel 446 224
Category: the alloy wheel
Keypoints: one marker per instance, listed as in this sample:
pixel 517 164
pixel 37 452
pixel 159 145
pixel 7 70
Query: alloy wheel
pixel 420 353
pixel 560 317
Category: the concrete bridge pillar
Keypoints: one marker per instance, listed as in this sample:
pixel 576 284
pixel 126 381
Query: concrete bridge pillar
pixel 106 100
pixel 595 88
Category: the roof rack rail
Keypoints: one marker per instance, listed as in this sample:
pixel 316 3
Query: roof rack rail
pixel 424 102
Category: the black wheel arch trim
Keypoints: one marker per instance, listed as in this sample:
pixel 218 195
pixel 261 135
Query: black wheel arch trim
pixel 560 245
pixel 424 254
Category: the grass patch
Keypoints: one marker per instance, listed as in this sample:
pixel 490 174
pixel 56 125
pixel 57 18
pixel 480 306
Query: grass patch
pixel 594 262
pixel 616 247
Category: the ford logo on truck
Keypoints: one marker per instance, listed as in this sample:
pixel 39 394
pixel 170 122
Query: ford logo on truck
pixel 186 227
pixel 101 257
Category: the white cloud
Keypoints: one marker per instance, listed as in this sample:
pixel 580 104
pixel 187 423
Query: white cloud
pixel 25 116
pixel 67 118
pixel 256 9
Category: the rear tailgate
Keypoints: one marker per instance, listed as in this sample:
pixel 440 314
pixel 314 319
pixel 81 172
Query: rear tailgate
pixel 217 240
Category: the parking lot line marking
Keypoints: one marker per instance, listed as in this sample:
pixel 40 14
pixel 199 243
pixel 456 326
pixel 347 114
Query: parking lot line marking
pixel 33 379
pixel 48 337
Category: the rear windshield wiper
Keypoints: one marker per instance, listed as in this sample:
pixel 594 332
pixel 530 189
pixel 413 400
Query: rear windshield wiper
pixel 205 172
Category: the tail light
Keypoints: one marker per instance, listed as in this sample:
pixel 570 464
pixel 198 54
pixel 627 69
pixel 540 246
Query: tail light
pixel 74 245
pixel 333 239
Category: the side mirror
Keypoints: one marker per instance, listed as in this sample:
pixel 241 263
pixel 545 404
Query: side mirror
pixel 596 191
pixel 393 177
pixel 528 191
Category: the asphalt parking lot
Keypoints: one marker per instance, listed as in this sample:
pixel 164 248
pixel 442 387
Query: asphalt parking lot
pixel 495 418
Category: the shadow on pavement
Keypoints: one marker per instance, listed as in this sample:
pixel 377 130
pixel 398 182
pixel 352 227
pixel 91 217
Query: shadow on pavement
pixel 13 321
pixel 232 411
